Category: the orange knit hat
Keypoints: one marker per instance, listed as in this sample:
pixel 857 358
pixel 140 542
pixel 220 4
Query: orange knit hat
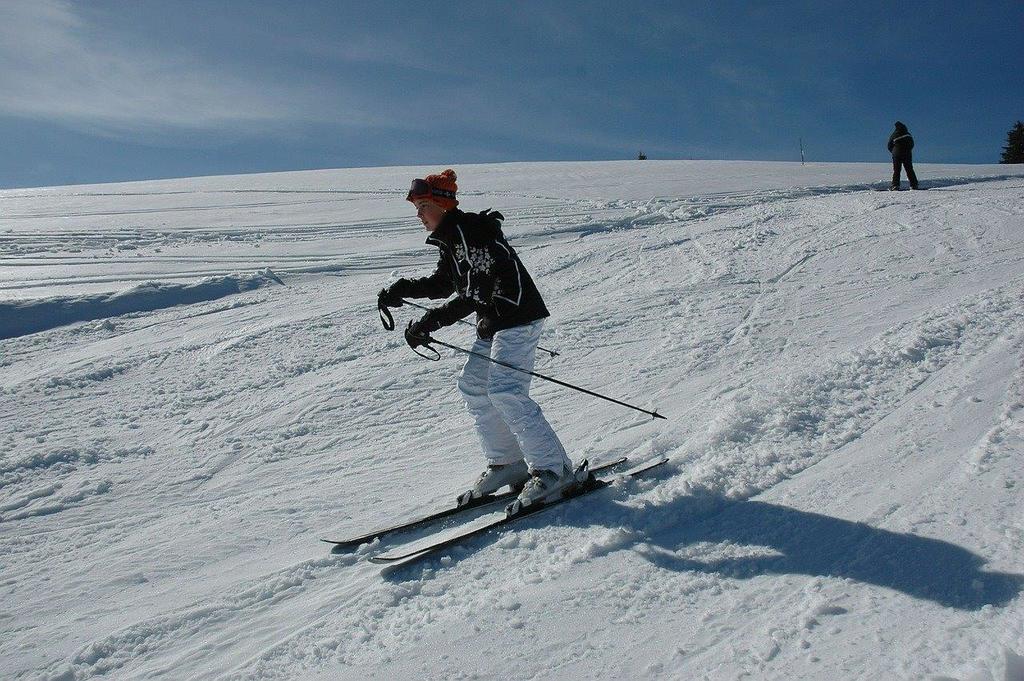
pixel 439 188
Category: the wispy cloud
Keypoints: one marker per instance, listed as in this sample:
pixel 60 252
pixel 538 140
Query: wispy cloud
pixel 55 65
pixel 368 48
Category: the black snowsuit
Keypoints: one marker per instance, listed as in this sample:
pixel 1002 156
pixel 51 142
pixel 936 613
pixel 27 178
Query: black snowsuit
pixel 479 266
pixel 901 144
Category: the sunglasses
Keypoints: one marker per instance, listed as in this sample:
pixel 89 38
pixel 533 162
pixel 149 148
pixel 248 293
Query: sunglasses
pixel 421 189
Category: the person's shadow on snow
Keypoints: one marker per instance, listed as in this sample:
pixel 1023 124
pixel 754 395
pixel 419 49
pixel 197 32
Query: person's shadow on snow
pixel 799 542
pixel 744 539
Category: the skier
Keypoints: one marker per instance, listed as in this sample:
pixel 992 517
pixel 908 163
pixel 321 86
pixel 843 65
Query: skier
pixel 480 267
pixel 900 144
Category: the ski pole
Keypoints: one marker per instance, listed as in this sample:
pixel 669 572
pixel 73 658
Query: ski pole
pixel 431 339
pixel 463 321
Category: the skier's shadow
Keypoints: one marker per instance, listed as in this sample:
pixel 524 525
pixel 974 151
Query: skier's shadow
pixel 705 534
pixel 783 540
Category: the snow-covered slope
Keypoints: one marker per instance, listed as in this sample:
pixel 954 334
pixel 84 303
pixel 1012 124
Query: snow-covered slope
pixel 841 369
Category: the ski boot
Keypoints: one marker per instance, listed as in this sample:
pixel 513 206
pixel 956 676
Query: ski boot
pixel 546 485
pixel 494 477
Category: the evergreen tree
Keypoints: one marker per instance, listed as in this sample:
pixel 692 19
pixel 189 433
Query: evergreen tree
pixel 1013 152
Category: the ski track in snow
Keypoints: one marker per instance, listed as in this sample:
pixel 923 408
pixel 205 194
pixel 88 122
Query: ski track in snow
pixel 841 369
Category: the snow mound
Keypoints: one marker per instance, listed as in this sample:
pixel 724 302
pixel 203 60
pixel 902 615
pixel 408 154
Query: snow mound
pixel 22 317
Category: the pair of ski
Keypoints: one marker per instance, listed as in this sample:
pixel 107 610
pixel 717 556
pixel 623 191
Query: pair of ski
pixel 590 480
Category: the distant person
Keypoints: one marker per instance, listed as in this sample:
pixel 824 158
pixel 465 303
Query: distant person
pixel 479 266
pixel 901 144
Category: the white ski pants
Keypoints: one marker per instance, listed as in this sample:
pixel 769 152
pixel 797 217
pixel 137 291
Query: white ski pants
pixel 510 425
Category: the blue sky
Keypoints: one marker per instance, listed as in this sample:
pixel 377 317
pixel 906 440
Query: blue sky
pixel 103 91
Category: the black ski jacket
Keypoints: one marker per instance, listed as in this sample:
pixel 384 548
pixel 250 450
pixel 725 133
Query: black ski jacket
pixel 900 142
pixel 479 266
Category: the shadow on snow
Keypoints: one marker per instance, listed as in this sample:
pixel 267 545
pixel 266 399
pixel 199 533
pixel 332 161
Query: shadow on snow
pixel 820 545
pixel 802 543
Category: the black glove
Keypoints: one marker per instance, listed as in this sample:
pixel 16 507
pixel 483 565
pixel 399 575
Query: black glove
pixel 416 334
pixel 485 328
pixel 392 296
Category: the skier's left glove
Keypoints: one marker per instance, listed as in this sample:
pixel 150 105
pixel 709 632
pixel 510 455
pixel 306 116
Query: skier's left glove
pixel 417 334
pixel 485 328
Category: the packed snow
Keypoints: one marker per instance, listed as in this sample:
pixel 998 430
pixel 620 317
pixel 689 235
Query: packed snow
pixel 195 388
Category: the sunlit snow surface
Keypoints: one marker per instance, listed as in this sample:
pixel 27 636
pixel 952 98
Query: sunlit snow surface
pixel 841 369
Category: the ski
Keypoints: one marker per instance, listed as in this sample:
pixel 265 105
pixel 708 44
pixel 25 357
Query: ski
pixel 592 484
pixel 343 545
